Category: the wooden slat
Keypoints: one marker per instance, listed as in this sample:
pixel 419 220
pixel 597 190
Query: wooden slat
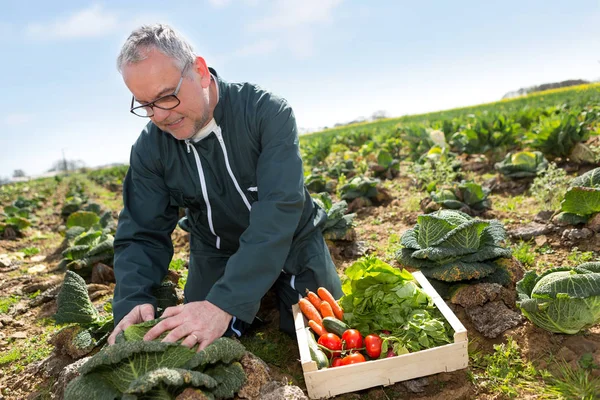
pixel 333 381
pixel 306 361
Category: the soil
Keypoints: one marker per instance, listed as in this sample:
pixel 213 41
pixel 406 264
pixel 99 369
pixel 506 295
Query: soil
pixel 378 231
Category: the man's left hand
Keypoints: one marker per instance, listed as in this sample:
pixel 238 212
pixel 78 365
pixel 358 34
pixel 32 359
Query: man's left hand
pixel 198 322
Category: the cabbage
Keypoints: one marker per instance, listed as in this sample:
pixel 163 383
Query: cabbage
pixel 562 300
pixel 523 164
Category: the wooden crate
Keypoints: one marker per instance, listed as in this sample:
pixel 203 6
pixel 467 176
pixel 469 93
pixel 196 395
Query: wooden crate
pixel 329 382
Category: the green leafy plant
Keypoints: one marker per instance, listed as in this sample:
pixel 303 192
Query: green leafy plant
pixel 550 186
pixel 561 135
pixel 88 249
pixel 154 369
pixel 468 197
pixel 88 328
pixel 386 167
pixel 487 134
pixel 562 300
pixel 523 164
pixel 451 246
pixel 431 173
pixel 339 225
pixel 359 187
pixel 582 199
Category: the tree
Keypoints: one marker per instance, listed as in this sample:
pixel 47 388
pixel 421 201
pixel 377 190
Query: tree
pixel 19 173
pixel 66 165
pixel 380 114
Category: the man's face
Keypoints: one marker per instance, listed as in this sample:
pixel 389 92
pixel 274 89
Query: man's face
pixel 157 76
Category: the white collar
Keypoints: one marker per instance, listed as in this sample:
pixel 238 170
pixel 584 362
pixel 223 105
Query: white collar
pixel 208 128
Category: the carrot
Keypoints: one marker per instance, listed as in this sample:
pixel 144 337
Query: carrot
pixel 325 295
pixel 309 311
pixel 313 298
pixel 326 310
pixel 318 329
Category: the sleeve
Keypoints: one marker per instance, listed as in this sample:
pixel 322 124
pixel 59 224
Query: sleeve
pixel 265 244
pixel 143 247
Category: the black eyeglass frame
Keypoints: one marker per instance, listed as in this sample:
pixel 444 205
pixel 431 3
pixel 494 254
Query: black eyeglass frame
pixel 132 109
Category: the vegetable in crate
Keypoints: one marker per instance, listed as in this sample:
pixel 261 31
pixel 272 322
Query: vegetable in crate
pixel 451 246
pixel 379 297
pixel 562 300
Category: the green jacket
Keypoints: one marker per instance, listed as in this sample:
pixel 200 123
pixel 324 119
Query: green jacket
pixel 243 187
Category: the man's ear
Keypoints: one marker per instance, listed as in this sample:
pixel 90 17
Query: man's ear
pixel 202 69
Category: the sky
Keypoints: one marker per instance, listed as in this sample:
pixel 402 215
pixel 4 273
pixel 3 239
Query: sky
pixel 333 60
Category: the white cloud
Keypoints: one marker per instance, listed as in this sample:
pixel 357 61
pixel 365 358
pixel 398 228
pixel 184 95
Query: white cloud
pixel 18 119
pixel 90 22
pixel 293 14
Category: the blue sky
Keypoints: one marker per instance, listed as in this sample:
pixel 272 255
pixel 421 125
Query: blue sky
pixel 333 60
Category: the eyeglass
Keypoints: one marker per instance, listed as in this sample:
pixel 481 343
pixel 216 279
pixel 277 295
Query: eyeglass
pixel 167 102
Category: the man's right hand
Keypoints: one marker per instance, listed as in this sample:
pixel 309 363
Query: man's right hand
pixel 141 313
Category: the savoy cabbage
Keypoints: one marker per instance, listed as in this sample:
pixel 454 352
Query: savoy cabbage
pixel 136 369
pixel 562 300
pixel 451 246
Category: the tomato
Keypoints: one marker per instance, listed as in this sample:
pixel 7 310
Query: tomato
pixel 352 339
pixel 373 345
pixel 353 358
pixel 332 342
pixel 336 362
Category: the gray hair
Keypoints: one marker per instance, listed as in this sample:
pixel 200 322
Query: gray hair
pixel 157 36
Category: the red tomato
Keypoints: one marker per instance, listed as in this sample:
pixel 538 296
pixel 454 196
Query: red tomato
pixel 336 362
pixel 332 342
pixel 352 339
pixel 373 345
pixel 353 358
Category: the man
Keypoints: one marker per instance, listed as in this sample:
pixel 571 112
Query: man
pixel 228 153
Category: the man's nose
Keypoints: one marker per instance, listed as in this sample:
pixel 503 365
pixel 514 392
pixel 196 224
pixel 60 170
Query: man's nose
pixel 160 115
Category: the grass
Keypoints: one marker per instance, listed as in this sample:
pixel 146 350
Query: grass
pixel 275 348
pixel 576 257
pixel 7 302
pixel 177 265
pixel 523 252
pixel 9 356
pixel 574 383
pixel 504 372
pixel 25 352
pixel 512 204
pixel 30 251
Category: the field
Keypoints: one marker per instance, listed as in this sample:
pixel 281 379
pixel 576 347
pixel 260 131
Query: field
pixel 389 172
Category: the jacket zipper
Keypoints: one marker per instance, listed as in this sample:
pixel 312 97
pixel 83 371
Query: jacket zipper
pixel 204 191
pixel 203 181
pixel 235 182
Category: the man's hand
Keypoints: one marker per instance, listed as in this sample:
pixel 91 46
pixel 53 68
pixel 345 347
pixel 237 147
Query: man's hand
pixel 141 313
pixel 198 322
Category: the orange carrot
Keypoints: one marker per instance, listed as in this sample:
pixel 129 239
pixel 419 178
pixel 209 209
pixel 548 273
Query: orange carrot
pixel 309 311
pixel 325 295
pixel 313 298
pixel 326 310
pixel 318 329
